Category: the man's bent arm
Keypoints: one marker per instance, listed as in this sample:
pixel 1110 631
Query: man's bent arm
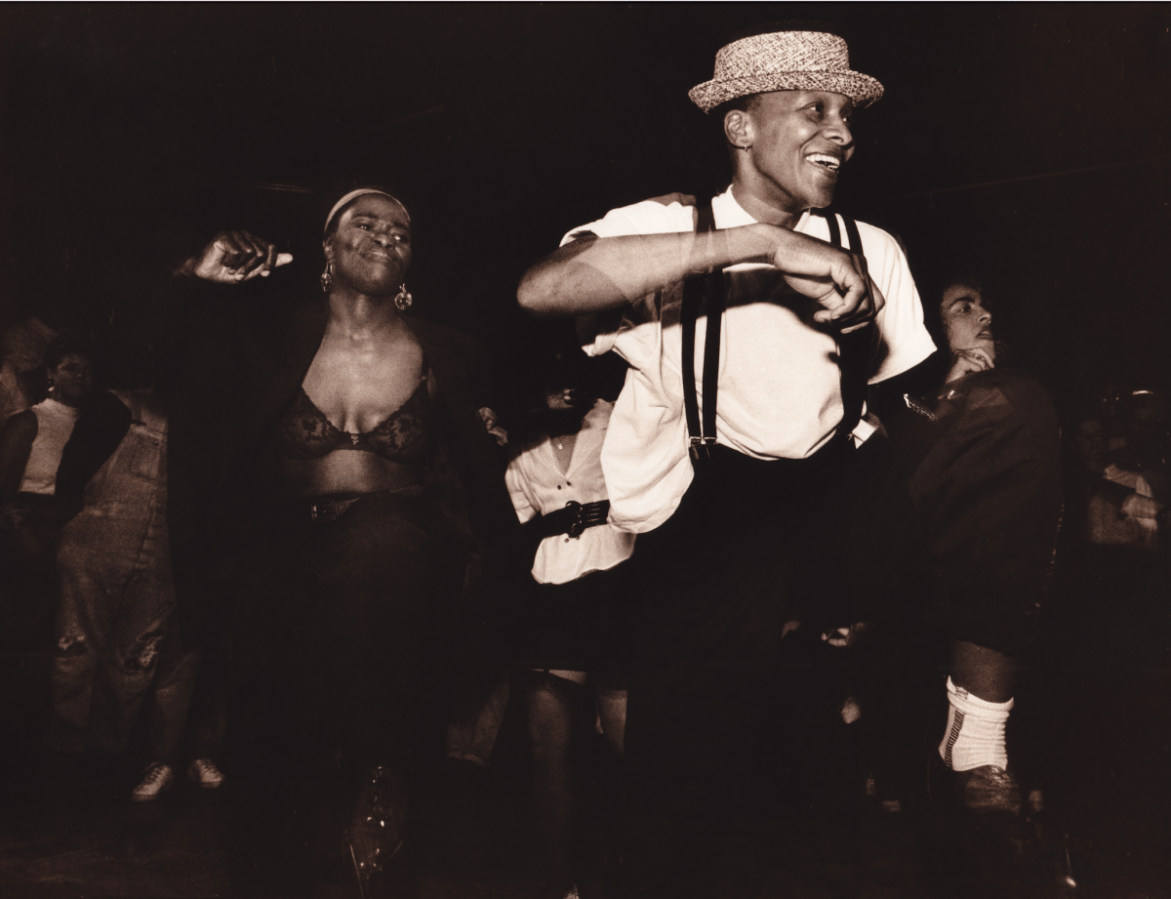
pixel 594 274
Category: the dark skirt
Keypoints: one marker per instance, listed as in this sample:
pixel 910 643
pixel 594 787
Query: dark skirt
pixel 584 625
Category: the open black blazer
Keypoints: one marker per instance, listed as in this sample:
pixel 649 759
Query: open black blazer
pixel 245 359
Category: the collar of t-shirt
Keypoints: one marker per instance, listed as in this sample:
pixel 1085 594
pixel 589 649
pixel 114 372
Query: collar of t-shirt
pixel 730 214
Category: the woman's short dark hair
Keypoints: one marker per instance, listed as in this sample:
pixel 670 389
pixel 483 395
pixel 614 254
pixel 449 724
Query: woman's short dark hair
pixel 66 343
pixel 331 229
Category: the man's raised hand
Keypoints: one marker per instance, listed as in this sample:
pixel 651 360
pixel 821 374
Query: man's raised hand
pixel 835 278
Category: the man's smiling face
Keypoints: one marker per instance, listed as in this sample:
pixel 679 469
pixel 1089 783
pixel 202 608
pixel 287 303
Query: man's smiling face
pixel 799 142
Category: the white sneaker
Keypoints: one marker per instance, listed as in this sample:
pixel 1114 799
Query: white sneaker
pixel 157 779
pixel 205 773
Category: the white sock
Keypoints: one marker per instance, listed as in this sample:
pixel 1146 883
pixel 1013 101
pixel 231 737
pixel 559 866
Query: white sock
pixel 975 731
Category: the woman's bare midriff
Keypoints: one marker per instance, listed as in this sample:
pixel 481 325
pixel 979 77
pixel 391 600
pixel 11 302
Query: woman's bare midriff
pixel 348 471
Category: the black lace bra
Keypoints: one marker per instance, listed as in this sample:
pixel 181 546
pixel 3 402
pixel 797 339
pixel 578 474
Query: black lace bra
pixel 304 433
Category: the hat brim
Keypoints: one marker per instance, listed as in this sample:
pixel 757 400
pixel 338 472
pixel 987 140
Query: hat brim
pixel 862 89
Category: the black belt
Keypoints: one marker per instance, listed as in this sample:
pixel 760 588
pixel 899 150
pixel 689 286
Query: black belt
pixel 322 509
pixel 573 519
pixel 330 508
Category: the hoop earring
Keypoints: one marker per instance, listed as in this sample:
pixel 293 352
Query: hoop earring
pixel 403 299
pixel 327 277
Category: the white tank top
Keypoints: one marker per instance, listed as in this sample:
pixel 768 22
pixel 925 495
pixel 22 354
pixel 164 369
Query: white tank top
pixel 55 423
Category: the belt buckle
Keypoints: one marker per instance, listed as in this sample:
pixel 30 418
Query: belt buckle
pixel 578 526
pixel 323 511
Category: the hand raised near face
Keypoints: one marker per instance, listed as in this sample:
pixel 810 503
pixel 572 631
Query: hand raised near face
pixel 965 362
pixel 835 278
pixel 235 256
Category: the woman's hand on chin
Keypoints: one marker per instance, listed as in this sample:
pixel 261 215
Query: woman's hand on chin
pixel 964 362
pixel 235 256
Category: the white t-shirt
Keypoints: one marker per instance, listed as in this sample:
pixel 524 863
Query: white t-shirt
pixel 537 485
pixel 55 423
pixel 779 381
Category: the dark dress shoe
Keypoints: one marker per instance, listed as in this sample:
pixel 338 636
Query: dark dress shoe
pixel 987 790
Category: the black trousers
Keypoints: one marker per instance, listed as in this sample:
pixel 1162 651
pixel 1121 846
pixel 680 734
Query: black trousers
pixel 343 633
pixel 716 580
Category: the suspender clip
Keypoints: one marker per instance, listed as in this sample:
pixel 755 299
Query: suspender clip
pixel 701 447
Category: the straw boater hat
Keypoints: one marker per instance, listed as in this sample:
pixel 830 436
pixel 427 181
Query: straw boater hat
pixel 784 61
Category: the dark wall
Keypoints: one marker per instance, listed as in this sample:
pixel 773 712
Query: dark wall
pixel 1030 143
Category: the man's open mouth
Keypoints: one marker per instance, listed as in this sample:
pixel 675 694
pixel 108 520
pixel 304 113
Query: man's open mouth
pixel 831 163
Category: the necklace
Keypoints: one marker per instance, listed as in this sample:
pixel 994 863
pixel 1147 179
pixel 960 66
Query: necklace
pixel 560 445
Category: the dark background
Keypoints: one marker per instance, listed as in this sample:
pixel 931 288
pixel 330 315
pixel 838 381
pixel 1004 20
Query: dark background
pixel 1028 143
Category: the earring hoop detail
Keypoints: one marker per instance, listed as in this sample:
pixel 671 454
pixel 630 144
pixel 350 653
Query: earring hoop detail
pixel 403 299
pixel 327 278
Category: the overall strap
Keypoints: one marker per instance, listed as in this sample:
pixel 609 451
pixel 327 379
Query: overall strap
pixel 706 291
pixel 856 348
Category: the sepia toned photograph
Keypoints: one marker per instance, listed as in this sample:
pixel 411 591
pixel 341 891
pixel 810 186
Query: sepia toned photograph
pixel 585 451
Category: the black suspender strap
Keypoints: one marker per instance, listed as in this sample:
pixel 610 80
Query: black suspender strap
pixel 835 236
pixel 855 349
pixel 706 291
pixel 852 234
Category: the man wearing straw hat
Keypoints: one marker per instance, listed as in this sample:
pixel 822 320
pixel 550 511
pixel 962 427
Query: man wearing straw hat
pixel 727 494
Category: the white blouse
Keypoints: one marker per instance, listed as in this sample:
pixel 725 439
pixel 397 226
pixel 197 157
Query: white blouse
pixel 537 485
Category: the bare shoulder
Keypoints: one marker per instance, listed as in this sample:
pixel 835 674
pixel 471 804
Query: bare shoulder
pixel 18 428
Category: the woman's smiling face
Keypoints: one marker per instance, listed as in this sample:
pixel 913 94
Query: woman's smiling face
pixel 371 247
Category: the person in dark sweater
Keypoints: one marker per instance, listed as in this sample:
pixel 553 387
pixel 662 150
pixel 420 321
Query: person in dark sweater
pixel 957 530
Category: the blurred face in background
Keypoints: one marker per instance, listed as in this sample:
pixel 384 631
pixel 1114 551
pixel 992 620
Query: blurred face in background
pixel 967 323
pixel 1089 443
pixel 72 381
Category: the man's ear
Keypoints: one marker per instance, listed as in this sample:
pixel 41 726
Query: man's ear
pixel 738 128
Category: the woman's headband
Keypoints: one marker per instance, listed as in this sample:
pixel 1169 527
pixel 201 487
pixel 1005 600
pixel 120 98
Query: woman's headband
pixel 360 192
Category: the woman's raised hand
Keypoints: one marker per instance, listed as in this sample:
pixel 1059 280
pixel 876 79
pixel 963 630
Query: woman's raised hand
pixel 235 256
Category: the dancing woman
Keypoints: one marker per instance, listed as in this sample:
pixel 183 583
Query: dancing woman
pixel 330 474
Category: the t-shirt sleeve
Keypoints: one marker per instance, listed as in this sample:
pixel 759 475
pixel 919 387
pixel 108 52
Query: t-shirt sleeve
pixel 673 214
pixel 904 341
pixel 518 491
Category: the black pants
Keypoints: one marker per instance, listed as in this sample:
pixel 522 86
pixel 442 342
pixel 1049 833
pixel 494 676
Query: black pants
pixel 342 634
pixel 716 579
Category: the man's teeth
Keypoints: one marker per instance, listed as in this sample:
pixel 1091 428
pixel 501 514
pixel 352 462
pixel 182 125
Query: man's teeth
pixel 830 162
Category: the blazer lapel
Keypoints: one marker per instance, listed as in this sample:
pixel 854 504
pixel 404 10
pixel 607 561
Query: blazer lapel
pixel 282 350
